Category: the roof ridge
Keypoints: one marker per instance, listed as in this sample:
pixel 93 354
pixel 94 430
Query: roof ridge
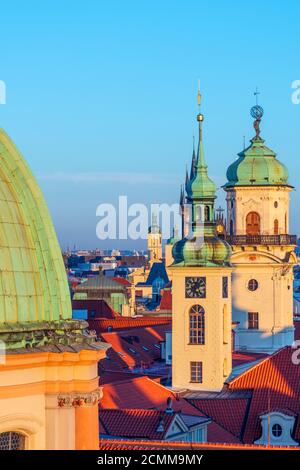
pixel 257 364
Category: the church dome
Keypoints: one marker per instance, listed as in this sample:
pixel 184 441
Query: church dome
pixel 34 292
pixel 198 251
pixel 257 165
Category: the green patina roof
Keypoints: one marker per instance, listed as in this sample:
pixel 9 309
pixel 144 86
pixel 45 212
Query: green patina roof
pixel 200 186
pixel 33 282
pixel 257 165
pixel 197 251
pixel 203 247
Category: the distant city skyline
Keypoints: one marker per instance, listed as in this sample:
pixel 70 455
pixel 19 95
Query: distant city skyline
pixel 111 107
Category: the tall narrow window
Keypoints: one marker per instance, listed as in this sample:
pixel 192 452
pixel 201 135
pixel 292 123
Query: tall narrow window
pixel 206 214
pixel 197 325
pixel 253 223
pixel 196 372
pixel 225 287
pixel 231 227
pixel 276 229
pixel 253 321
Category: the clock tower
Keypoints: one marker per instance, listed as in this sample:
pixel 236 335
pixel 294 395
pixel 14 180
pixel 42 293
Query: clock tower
pixel 258 197
pixel 201 291
pixel 154 242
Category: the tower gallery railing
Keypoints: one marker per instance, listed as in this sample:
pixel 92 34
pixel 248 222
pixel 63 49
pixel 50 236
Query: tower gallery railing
pixel 282 239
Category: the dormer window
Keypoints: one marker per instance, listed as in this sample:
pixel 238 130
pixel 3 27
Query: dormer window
pixel 277 429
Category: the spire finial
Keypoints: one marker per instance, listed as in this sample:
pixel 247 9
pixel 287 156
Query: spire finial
pixel 200 118
pixel 199 95
pixel 257 113
pixel 256 93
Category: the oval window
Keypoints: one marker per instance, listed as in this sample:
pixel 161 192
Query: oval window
pixel 252 285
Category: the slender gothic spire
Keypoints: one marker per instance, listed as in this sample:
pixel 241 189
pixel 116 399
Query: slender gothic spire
pixel 194 161
pixel 200 118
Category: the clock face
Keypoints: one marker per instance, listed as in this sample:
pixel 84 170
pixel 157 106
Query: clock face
pixel 220 228
pixel 195 287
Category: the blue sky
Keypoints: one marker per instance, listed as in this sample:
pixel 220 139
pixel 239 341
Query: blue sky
pixel 101 96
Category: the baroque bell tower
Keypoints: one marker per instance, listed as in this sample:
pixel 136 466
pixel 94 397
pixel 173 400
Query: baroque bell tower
pixel 201 291
pixel 258 194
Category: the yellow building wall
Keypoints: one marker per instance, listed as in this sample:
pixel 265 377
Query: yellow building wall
pixel 216 353
pixel 51 398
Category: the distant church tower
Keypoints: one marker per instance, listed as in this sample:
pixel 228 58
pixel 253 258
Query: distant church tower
pixel 263 250
pixel 201 291
pixel 154 242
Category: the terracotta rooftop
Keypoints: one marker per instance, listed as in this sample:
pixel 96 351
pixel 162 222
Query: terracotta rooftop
pixel 143 424
pixel 122 281
pixel 145 393
pixel 138 347
pixel 166 300
pixel 123 444
pixel 101 325
pixel 275 384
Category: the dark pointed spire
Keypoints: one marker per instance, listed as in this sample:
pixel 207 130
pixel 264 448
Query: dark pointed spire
pixel 181 200
pixel 187 179
pixel 194 161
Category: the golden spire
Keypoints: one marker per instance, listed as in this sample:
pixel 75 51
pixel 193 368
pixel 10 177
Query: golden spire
pixel 200 116
pixel 199 95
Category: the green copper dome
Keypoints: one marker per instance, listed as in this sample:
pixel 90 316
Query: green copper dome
pixel 35 305
pixel 202 247
pixel 257 165
pixel 209 251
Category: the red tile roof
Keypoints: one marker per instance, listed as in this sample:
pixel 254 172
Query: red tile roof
pixel 122 281
pixel 137 347
pixel 166 300
pixel 144 393
pixel 134 423
pixel 125 323
pixel 228 413
pixel 275 383
pixel 123 444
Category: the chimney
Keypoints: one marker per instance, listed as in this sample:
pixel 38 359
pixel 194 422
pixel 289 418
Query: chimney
pixel 169 409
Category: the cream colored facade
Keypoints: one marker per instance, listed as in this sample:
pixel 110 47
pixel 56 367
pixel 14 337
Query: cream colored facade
pixel 271 203
pixel 154 247
pixel 51 399
pixel 168 255
pixel 269 263
pixel 215 354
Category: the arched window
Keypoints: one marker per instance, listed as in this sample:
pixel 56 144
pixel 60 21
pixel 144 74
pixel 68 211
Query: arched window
pixel 206 214
pixel 12 441
pixel 253 223
pixel 276 230
pixel 197 325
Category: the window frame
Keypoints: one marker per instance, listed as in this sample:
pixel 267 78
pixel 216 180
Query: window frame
pixel 195 372
pixel 253 322
pixel 197 325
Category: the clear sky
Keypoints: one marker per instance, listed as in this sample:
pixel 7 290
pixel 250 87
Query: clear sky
pixel 101 96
